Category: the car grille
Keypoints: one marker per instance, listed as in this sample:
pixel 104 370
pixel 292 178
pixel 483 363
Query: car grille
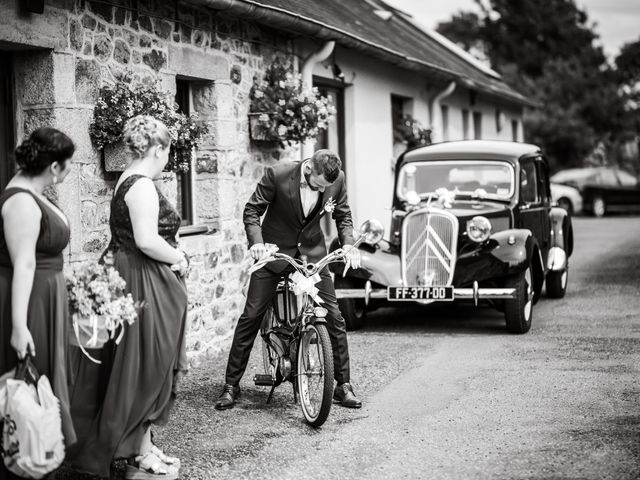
pixel 429 241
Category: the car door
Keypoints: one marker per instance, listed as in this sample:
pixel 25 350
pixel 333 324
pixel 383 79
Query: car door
pixel 629 190
pixel 610 188
pixel 534 201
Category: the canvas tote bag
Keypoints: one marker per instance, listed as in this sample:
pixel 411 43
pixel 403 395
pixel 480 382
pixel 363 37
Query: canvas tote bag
pixel 32 441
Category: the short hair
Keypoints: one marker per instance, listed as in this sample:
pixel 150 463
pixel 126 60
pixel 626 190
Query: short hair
pixel 143 132
pixel 327 163
pixel 43 147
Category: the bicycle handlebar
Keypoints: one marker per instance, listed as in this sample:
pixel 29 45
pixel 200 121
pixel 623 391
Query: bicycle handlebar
pixel 306 269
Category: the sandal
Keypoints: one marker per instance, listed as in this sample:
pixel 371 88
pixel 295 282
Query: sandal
pixel 149 466
pixel 166 459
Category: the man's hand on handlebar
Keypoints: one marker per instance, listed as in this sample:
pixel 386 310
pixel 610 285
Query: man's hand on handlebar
pixel 351 258
pixel 258 251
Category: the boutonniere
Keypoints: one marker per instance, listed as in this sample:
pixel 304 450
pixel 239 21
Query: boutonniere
pixel 330 205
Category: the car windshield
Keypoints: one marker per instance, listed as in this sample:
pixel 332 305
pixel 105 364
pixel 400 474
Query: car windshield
pixel 491 179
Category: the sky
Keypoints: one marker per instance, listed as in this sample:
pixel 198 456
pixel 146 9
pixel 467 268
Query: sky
pixel 618 21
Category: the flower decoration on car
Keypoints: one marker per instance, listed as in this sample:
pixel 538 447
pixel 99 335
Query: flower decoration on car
pixel 283 111
pixel 127 98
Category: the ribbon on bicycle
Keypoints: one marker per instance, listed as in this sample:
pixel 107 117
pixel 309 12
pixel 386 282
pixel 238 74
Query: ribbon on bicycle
pixel 305 285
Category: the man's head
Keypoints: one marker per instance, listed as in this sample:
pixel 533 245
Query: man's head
pixel 322 169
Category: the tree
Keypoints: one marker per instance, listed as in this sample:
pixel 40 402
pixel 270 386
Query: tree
pixel 545 49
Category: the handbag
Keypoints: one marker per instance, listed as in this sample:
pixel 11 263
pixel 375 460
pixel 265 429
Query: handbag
pixel 32 441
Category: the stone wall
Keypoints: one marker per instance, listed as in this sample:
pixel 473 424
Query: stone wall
pixel 219 57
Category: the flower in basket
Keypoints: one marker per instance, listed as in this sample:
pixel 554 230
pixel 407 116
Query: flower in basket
pixel 283 111
pixel 99 305
pixel 127 98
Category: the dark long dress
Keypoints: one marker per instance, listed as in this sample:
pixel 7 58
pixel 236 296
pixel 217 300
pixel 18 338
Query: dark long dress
pixel 141 370
pixel 47 314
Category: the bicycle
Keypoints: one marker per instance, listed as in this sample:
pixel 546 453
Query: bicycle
pixel 296 346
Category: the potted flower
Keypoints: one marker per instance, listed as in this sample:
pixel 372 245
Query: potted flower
pixel 126 98
pixel 282 111
pixel 98 305
pixel 410 131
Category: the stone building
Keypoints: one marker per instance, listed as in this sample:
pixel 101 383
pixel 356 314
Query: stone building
pixel 369 58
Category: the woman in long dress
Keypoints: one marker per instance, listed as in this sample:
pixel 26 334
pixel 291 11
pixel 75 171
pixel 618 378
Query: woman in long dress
pixel 143 368
pixel 33 295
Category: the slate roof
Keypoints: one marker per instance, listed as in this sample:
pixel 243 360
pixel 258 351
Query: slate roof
pixel 398 40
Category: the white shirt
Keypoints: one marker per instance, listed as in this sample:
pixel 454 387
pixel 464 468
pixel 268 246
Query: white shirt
pixel 308 197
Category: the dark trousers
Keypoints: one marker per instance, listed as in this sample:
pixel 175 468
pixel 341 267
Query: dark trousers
pixel 262 287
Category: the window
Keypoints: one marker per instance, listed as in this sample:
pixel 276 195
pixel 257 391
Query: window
pixel 477 125
pixel 333 137
pixel 444 110
pixel 185 180
pixel 7 139
pixel 608 178
pixel 465 124
pixel 499 120
pixel 514 130
pixel 626 179
pixel 529 183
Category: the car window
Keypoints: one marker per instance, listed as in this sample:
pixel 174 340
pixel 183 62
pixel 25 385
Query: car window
pixel 607 178
pixel 626 179
pixel 528 183
pixel 543 183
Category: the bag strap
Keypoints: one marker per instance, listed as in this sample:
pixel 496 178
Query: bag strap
pixel 27 371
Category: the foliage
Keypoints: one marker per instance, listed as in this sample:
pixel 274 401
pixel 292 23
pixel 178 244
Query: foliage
pixel 97 289
pixel 288 113
pixel 546 51
pixel 408 129
pixel 127 98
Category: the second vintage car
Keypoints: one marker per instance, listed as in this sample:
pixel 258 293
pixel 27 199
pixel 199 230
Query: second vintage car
pixel 471 220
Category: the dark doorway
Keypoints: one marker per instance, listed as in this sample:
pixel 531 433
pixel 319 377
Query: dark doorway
pixel 7 132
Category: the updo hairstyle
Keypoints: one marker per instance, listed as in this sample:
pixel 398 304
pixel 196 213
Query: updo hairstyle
pixel 143 132
pixel 43 147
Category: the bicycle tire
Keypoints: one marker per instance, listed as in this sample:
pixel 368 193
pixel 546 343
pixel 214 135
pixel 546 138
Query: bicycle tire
pixel 316 409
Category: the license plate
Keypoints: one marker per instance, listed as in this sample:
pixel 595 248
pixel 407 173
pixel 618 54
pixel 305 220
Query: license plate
pixel 420 293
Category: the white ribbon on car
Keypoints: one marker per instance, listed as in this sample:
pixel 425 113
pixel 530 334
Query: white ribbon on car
pixel 306 285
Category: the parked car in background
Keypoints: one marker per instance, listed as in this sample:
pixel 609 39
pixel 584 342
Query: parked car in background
pixel 471 220
pixel 567 197
pixel 603 189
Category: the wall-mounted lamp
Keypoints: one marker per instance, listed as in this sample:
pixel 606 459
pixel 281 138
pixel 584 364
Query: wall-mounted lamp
pixel 337 72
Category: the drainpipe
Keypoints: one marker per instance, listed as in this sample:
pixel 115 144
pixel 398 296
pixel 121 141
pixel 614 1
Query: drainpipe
pixel 437 127
pixel 307 83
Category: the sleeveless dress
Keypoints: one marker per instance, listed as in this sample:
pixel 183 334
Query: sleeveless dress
pixel 139 374
pixel 48 311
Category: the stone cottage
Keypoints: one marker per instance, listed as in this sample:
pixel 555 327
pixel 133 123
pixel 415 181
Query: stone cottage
pixel 374 62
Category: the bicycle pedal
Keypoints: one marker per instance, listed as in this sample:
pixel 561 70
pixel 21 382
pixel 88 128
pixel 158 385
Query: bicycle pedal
pixel 263 380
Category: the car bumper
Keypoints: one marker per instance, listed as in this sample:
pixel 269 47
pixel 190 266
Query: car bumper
pixel 475 293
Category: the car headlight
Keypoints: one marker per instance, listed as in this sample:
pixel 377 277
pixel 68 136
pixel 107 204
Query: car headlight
pixel 479 229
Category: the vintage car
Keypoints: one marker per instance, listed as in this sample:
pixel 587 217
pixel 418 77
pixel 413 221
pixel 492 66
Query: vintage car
pixel 471 220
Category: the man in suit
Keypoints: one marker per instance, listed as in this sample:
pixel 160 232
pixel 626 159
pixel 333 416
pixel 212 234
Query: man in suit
pixel 295 196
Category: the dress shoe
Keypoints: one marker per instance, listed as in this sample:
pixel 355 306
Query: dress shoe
pixel 343 394
pixel 228 397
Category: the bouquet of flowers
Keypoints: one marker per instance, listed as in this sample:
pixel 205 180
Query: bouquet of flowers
pixel 283 111
pixel 98 305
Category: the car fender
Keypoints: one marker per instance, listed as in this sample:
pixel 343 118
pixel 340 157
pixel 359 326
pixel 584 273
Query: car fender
pixel 379 264
pixel 513 247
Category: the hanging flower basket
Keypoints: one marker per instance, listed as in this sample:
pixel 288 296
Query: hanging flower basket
pixel 127 98
pixel 282 112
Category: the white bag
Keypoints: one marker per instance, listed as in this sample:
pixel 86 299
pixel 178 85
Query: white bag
pixel 32 440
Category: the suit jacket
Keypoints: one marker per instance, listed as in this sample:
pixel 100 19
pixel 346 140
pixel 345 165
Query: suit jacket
pixel 278 193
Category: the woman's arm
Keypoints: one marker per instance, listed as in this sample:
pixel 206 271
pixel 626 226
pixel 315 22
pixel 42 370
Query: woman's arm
pixel 143 203
pixel 21 217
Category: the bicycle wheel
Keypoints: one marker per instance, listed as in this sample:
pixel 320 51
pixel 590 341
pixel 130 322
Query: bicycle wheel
pixel 315 374
pixel 269 355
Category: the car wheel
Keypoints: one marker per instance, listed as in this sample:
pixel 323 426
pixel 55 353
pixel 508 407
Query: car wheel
pixel 599 207
pixel 557 283
pixel 353 310
pixel 566 204
pixel 519 310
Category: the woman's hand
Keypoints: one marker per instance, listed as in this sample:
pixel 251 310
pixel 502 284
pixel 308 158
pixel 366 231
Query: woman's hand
pixel 182 267
pixel 22 342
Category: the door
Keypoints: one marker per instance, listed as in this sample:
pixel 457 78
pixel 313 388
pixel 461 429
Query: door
pixel 7 135
pixel 534 202
pixel 332 138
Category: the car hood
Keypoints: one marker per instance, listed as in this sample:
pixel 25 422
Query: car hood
pixel 471 208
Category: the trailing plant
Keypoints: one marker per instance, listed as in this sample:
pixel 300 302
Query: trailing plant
pixel 408 129
pixel 284 111
pixel 127 98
